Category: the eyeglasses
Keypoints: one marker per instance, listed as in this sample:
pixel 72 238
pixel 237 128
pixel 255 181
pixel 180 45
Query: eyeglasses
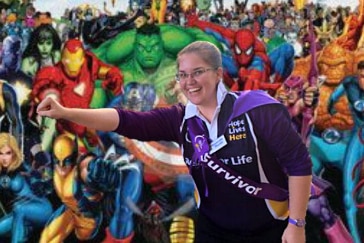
pixel 182 76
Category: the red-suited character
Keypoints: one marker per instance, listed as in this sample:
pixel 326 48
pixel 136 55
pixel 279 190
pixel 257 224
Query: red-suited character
pixel 72 82
pixel 255 66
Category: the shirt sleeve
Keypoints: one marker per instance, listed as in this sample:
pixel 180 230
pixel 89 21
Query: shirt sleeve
pixel 273 126
pixel 155 125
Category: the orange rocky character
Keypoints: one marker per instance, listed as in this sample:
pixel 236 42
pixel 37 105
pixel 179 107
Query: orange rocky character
pixel 330 136
pixel 335 63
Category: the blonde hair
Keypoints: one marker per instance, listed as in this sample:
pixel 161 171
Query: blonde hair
pixel 207 51
pixel 6 139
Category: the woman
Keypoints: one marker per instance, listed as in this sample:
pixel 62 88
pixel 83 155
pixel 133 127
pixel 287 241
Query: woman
pixel 233 145
pixel 28 211
pixel 43 49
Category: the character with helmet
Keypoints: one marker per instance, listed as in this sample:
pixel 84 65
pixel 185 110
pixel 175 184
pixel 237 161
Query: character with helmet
pixel 72 82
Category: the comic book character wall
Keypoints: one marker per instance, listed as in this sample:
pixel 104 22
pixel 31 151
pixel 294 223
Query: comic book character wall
pixel 60 182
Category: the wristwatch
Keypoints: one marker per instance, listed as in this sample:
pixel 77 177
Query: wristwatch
pixel 297 222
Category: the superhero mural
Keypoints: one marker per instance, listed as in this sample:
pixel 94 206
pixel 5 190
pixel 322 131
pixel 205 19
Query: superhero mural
pixel 148 63
pixel 92 58
pixel 334 129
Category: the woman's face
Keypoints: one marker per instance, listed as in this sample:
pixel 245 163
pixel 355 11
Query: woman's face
pixel 200 81
pixel 45 47
pixel 6 156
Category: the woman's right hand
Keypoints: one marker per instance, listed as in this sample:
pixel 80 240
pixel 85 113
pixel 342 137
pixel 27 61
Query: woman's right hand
pixel 50 107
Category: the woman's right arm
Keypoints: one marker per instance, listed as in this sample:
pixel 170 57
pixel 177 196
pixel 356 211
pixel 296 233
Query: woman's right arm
pixel 155 125
pixel 104 119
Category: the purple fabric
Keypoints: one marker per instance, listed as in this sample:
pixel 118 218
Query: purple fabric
pixel 154 125
pixel 248 101
pixel 278 142
pixel 201 156
pixel 271 123
pixel 274 128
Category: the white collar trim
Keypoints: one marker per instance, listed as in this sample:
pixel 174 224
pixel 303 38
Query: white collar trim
pixel 192 110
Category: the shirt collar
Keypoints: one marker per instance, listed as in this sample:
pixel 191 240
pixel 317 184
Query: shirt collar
pixel 192 110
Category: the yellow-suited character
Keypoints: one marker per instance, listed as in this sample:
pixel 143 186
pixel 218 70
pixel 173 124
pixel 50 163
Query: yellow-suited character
pixel 158 11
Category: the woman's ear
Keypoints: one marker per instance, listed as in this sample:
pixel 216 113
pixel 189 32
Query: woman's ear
pixel 220 73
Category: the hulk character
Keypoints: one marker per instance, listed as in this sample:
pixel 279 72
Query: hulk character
pixel 147 55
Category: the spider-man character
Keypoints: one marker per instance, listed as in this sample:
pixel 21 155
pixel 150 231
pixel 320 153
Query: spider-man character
pixel 256 68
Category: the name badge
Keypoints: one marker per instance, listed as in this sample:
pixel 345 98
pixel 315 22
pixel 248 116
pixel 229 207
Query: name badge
pixel 218 144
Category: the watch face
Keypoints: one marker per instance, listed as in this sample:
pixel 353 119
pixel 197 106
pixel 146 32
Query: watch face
pixel 297 222
pixel 300 222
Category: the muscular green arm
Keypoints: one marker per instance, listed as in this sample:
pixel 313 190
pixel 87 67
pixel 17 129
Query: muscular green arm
pixel 175 38
pixel 117 49
pixel 120 48
pixel 29 66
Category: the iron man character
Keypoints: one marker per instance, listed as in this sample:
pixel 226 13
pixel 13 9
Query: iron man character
pixel 72 82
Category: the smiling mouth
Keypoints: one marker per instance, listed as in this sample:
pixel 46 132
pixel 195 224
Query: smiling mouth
pixel 194 90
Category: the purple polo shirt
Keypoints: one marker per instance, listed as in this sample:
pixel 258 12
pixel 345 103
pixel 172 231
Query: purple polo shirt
pixel 271 143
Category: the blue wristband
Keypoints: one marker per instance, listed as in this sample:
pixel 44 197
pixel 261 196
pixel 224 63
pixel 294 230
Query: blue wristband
pixel 297 222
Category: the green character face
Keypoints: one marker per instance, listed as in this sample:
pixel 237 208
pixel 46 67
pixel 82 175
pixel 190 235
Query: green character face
pixel 45 47
pixel 149 50
pixel 45 44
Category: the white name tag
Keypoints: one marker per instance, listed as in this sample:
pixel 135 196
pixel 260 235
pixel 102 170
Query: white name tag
pixel 218 144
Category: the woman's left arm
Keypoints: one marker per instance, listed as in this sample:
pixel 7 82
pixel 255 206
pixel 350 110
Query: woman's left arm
pixel 275 128
pixel 299 193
